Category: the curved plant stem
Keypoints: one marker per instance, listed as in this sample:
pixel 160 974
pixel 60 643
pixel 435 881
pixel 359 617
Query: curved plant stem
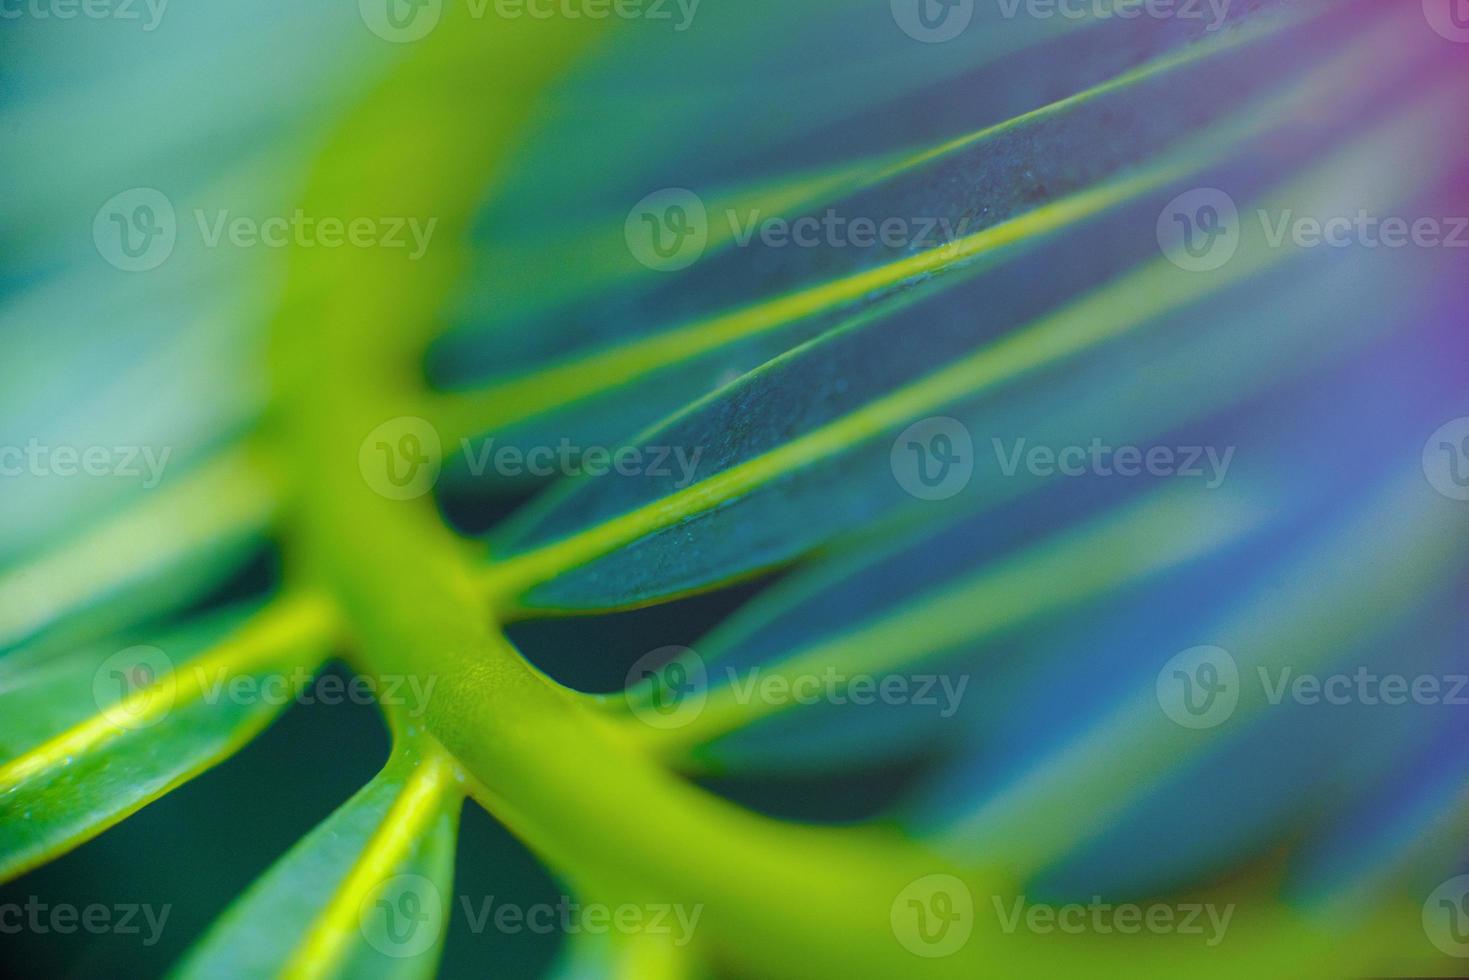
pixel 552 770
pixel 779 899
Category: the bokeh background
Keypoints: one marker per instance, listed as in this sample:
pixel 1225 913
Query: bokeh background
pixel 1326 374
